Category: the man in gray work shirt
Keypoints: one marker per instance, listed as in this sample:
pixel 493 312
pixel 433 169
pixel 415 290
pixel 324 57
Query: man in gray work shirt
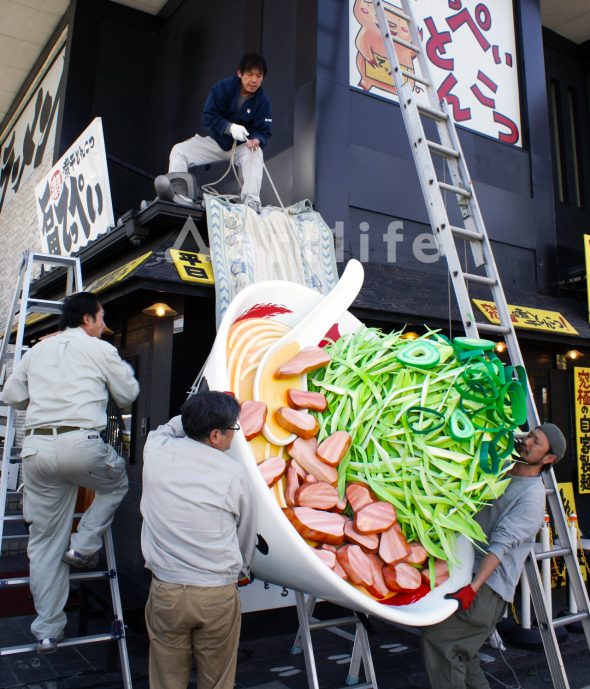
pixel 64 381
pixel 450 648
pixel 198 535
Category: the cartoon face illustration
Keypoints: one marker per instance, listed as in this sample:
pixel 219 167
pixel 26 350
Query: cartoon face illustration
pixel 372 61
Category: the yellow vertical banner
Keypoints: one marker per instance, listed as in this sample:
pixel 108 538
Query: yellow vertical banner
pixel 582 408
pixel 558 574
pixel 587 258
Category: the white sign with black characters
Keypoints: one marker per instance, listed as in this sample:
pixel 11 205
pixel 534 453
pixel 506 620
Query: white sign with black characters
pixel 471 47
pixel 74 200
pixel 261 595
pixel 23 147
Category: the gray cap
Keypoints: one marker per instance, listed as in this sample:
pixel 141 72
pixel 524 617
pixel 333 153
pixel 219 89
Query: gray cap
pixel 556 439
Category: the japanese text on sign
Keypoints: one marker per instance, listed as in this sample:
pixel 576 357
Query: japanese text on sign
pixel 23 148
pixel 582 420
pixel 74 200
pixel 193 267
pixel 114 276
pixel 471 49
pixel 527 318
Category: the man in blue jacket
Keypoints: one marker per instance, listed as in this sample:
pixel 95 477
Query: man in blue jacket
pixel 236 109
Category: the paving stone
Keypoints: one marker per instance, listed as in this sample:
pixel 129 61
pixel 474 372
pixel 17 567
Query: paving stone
pixel 266 663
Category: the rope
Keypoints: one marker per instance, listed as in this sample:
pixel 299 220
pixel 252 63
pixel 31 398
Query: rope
pixel 272 184
pixel 210 187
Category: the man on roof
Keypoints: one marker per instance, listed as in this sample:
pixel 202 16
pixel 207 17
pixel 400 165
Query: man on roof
pixel 237 113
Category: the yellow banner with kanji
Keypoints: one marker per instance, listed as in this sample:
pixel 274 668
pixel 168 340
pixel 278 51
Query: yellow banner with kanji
pixel 558 571
pixel 566 493
pixel 582 420
pixel 193 267
pixel 528 318
pixel 114 276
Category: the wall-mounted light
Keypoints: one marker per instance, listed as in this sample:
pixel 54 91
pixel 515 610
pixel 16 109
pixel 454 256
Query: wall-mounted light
pixel 574 354
pixel 410 335
pixel 159 310
pixel 500 348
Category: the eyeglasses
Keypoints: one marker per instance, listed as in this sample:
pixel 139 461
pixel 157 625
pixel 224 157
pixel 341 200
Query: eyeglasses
pixel 235 427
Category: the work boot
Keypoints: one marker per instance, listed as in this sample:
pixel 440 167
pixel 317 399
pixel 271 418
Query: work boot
pixel 76 559
pixel 49 645
pixel 256 206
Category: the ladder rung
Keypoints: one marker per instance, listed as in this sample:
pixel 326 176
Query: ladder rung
pixel 15 537
pixel 74 641
pixel 480 279
pixel 43 306
pixel 20 517
pixel 554 552
pixel 78 576
pixel 467 234
pixel 443 151
pixel 414 77
pixel 406 44
pixel 455 190
pixel 55 260
pixel 398 12
pixel 432 113
pixel 491 328
pixel 569 619
pixel 336 622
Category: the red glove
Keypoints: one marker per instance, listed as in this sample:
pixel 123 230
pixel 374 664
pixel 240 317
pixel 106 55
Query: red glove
pixel 464 596
pixel 244 580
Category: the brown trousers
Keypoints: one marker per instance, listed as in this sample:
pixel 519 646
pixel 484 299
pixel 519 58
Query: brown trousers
pixel 450 648
pixel 192 621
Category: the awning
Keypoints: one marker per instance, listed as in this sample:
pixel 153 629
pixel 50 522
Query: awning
pixel 163 264
pixel 411 296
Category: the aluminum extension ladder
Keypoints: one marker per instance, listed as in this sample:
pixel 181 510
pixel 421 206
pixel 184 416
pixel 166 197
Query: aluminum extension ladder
pixel 23 305
pixel 361 649
pixel 474 232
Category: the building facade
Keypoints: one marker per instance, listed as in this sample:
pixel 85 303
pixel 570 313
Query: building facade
pixel 338 140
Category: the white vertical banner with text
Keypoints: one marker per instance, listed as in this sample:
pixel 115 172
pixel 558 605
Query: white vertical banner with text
pixel 471 48
pixel 74 202
pixel 32 133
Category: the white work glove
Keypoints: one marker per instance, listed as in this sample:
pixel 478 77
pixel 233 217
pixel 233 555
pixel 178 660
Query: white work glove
pixel 238 132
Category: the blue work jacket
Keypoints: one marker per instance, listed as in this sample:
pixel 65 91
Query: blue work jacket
pixel 221 109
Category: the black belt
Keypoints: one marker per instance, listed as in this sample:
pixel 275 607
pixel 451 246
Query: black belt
pixel 51 430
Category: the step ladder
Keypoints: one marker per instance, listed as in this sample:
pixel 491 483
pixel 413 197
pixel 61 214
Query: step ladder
pixel 23 306
pixel 473 231
pixel 361 649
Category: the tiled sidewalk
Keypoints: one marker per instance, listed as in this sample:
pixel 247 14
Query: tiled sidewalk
pixel 267 662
